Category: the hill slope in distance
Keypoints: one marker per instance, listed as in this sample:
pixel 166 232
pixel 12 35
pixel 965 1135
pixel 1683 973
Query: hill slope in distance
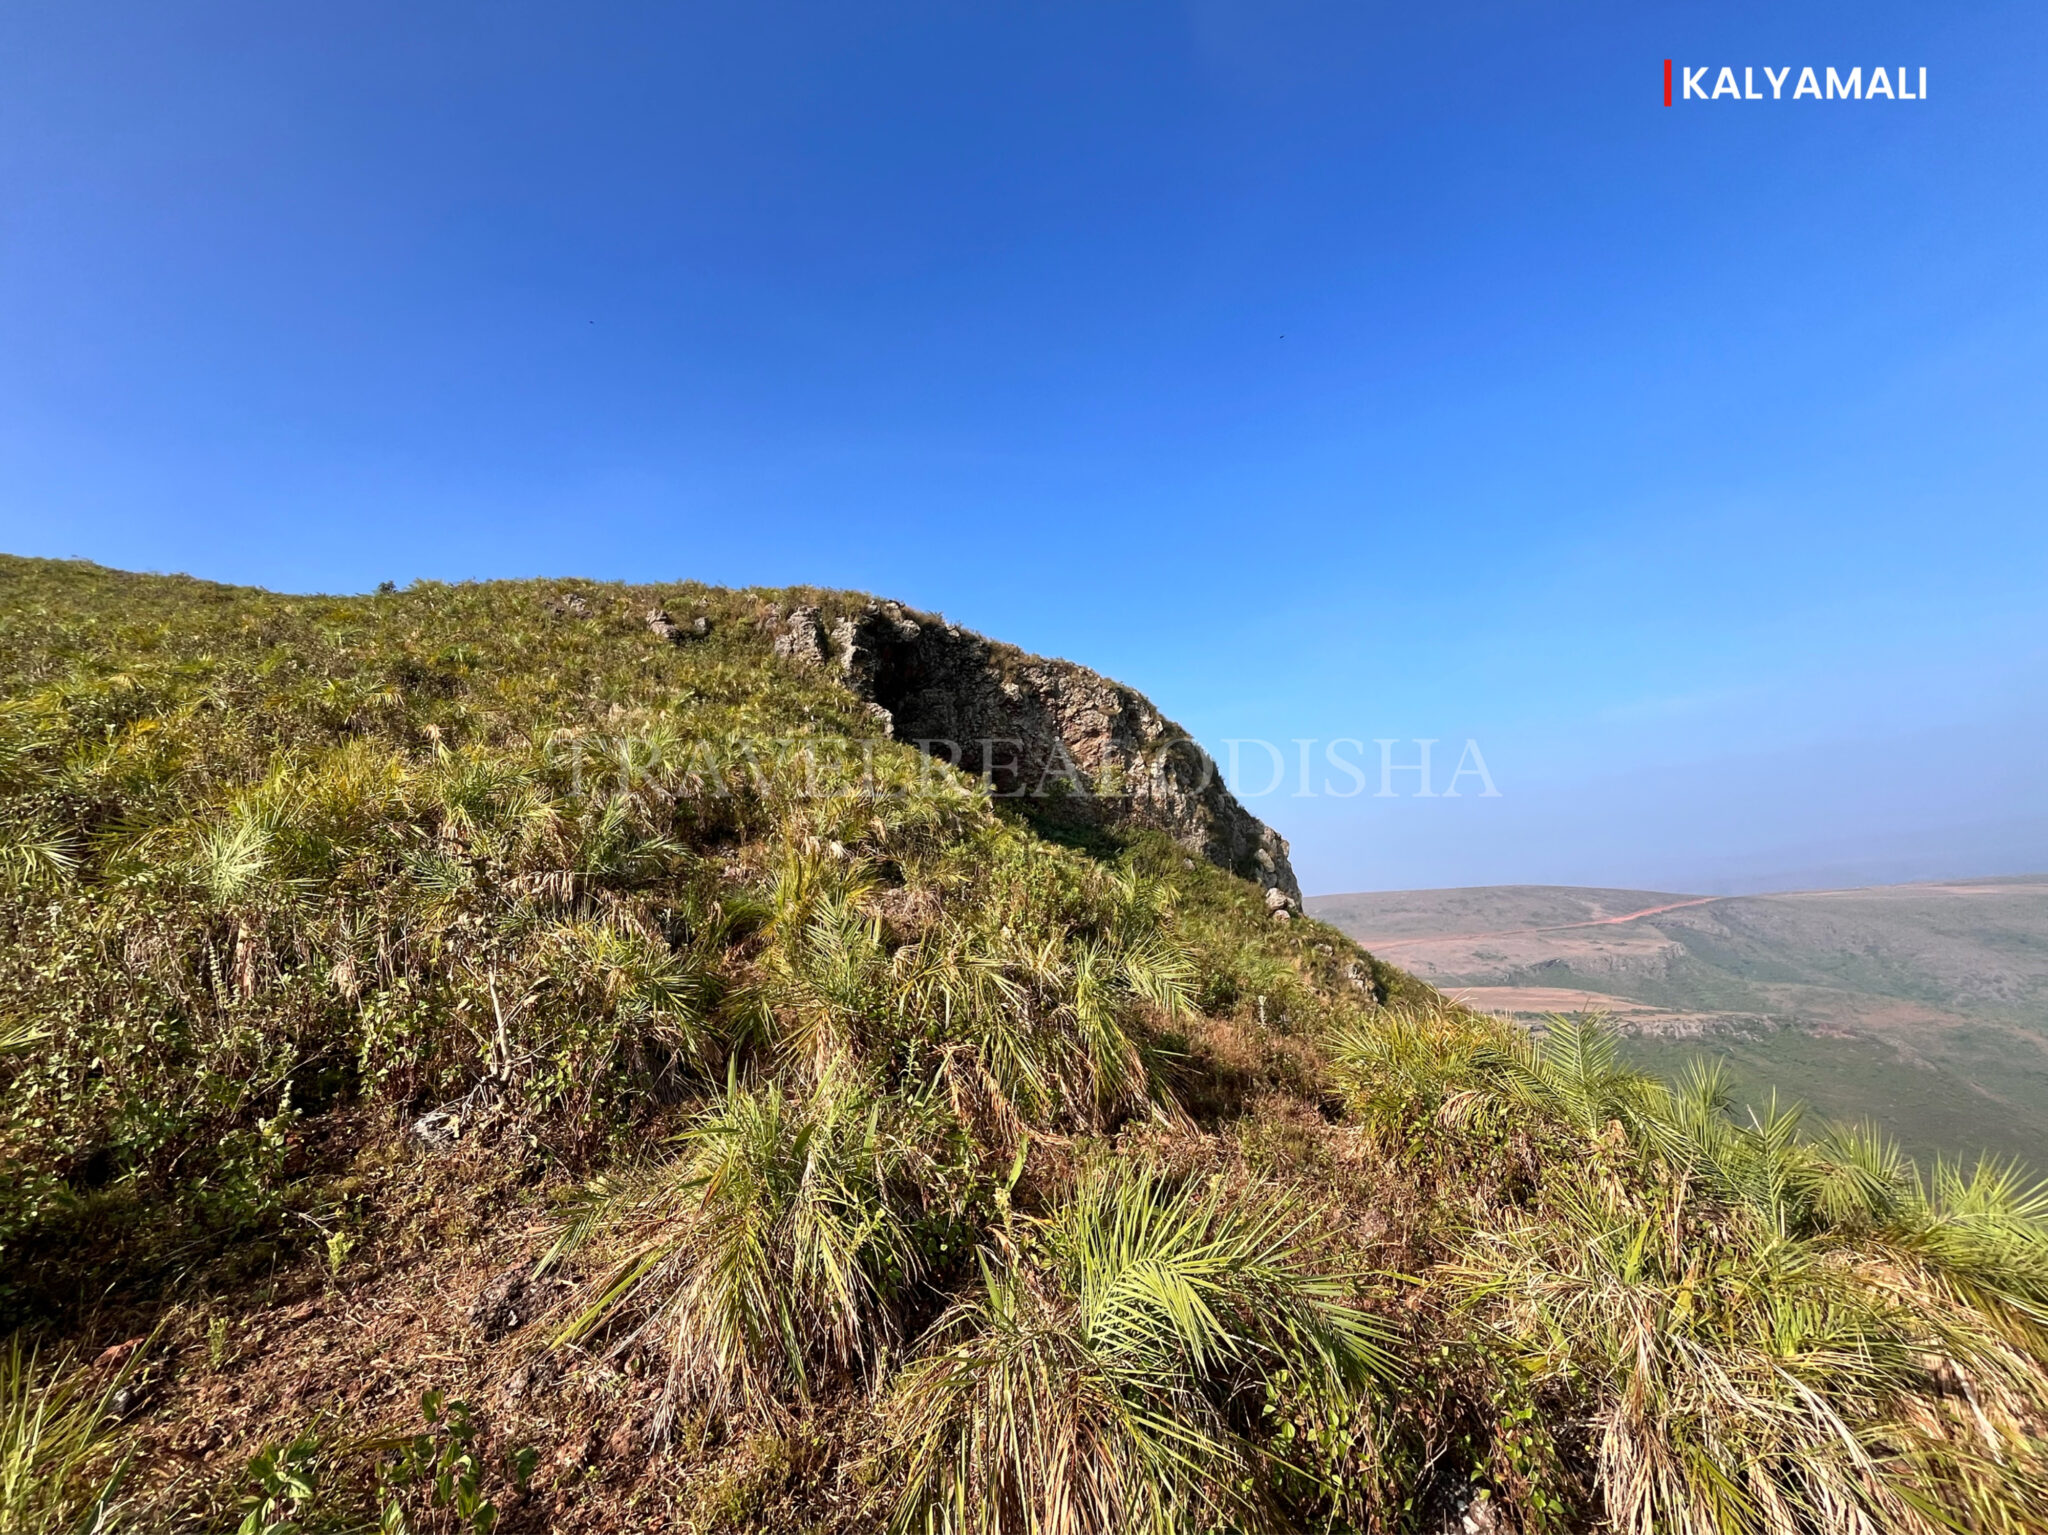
pixel 1923 1007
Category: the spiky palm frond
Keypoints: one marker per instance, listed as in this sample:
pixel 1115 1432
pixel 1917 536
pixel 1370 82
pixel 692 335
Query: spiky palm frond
pixel 1012 1424
pixel 805 873
pixel 1091 1387
pixel 1575 1072
pixel 137 759
pixel 825 980
pixel 37 855
pixel 958 990
pixel 1164 1271
pixel 1153 968
pixel 1098 991
pixel 1403 1068
pixel 1855 1177
pixel 610 844
pixel 1037 1028
pixel 233 859
pixel 612 995
pixel 642 766
pixel 1750 1380
pixel 767 1251
pixel 625 970
pixel 292 832
pixel 341 795
pixel 23 748
pixel 500 808
pixel 1136 907
pixel 1981 1235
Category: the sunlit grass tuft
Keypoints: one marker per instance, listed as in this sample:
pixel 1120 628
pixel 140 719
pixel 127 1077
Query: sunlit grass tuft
pixel 1098 1381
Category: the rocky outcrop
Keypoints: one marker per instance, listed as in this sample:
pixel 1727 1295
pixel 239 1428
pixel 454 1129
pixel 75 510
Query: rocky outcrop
pixel 1072 748
pixel 802 637
pixel 665 628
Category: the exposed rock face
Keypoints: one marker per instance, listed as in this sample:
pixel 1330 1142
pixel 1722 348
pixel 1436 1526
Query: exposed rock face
pixel 802 637
pixel 666 628
pixel 1073 747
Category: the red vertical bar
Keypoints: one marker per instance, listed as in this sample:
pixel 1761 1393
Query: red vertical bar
pixel 1667 82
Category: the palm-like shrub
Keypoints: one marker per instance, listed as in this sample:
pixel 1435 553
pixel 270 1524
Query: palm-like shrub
pixel 1574 1072
pixel 1984 1233
pixel 611 997
pixel 1023 1000
pixel 768 1251
pixel 1102 1380
pixel 1773 1333
pixel 1037 1029
pixel 825 985
pixel 34 854
pixel 1409 1070
pixel 1747 1380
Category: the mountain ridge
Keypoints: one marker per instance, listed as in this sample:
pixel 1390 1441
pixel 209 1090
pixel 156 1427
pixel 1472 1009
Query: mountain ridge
pixel 518 1057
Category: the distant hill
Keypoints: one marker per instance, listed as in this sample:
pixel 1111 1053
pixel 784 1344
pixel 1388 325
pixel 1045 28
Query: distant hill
pixel 1923 1006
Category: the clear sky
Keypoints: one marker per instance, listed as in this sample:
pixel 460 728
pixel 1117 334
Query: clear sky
pixel 1346 370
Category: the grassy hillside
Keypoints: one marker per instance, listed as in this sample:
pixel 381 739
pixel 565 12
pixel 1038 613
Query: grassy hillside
pixel 1924 1007
pixel 471 1059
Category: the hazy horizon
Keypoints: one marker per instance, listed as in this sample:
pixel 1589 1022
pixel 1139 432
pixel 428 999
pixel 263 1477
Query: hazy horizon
pixel 1771 889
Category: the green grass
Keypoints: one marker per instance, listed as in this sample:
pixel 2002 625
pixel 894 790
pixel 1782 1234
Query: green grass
pixel 1005 1184
pixel 62 1465
pixel 1932 1110
pixel 1765 1315
pixel 1088 1383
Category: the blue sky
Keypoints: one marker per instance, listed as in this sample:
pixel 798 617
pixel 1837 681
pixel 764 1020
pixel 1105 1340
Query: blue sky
pixel 1326 371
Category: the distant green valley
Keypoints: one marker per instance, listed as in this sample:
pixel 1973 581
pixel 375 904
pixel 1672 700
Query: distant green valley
pixel 1923 1007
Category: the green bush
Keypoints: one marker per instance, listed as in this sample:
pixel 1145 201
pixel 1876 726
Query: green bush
pixel 1099 1381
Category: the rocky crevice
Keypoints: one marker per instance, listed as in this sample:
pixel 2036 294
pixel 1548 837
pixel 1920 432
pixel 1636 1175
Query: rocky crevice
pixel 1073 749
